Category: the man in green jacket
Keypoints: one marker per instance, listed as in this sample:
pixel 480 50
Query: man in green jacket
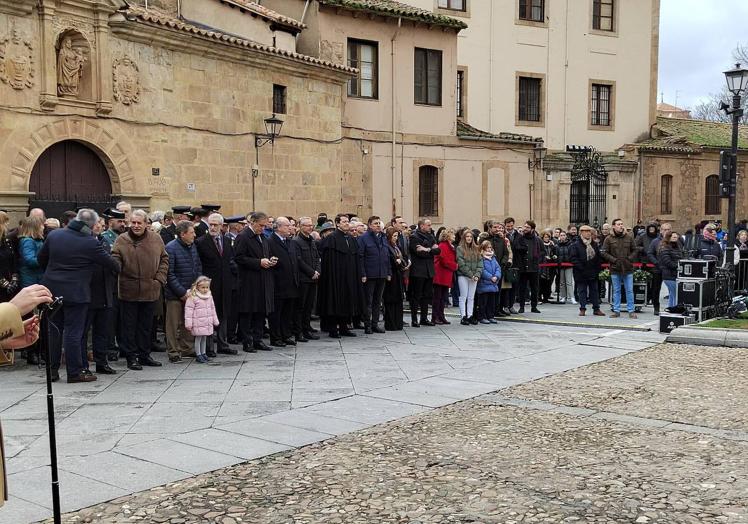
pixel 620 252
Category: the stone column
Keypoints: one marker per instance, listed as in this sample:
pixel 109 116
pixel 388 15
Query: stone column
pixel 103 78
pixel 47 56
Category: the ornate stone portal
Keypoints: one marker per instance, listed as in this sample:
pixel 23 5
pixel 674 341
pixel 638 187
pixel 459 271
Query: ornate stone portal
pixel 126 86
pixel 69 68
pixel 16 61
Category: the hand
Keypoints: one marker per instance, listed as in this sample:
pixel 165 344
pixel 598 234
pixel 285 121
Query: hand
pixel 398 261
pixel 30 297
pixel 265 263
pixel 389 278
pixel 363 280
pixel 435 246
pixel 185 297
pixel 494 279
pixel 475 279
pixel 421 249
pixel 315 276
pixel 30 335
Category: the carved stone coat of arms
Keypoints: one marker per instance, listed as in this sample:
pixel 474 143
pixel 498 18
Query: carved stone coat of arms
pixel 126 81
pixel 16 61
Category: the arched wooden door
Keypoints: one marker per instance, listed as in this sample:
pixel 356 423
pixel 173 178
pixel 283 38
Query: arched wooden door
pixel 69 175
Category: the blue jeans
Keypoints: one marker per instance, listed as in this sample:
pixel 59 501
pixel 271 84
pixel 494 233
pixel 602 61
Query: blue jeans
pixel 628 282
pixel 671 291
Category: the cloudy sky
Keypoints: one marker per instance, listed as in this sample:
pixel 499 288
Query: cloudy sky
pixel 696 42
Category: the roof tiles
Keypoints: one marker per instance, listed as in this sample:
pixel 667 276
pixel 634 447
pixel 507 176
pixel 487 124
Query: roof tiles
pixel 391 8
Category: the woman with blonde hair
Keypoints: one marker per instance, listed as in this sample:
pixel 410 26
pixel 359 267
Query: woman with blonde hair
pixel 30 242
pixel 445 264
pixel 469 268
pixel 9 281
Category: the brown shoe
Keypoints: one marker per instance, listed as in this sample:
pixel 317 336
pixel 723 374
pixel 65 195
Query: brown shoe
pixel 81 378
pixel 633 315
pixel 582 312
pixel 599 313
pixel 615 314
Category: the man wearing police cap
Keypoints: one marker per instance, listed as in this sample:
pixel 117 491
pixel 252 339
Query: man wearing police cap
pixel 115 225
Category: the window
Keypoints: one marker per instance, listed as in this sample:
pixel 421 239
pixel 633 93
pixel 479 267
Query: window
pixel 712 200
pixel 666 195
pixel 279 99
pixel 600 105
pixel 364 56
pixel 428 77
pixel 602 15
pixel 428 191
pixel 529 99
pixel 460 94
pixel 533 10
pixel 454 5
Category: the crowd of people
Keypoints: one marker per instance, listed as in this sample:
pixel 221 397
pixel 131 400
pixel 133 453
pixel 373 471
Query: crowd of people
pixel 210 282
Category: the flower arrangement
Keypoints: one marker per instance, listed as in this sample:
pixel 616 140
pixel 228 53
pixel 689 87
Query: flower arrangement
pixel 604 275
pixel 642 276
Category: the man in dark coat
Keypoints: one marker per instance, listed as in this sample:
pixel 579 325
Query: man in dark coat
pixel 309 271
pixel 69 256
pixel 374 256
pixel 339 299
pixel 252 257
pixel 201 226
pixel 286 284
pixel 217 258
pixel 585 255
pixel 423 248
pixel 527 250
pixel 184 268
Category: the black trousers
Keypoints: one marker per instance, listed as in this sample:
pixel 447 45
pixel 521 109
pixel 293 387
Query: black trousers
pixel 654 289
pixel 373 290
pixel 545 288
pixel 98 321
pixel 335 325
pixel 281 320
pixel 136 320
pixel 66 331
pixel 304 306
pixel 486 305
pixel 509 296
pixel 587 290
pixel 113 334
pixel 528 279
pixel 421 291
pixel 232 320
pixel 251 326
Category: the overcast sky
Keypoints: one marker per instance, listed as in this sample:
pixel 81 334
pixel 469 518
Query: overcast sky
pixel 696 42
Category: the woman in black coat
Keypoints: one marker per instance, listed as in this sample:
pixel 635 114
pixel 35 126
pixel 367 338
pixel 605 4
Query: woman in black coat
pixel 394 288
pixel 669 252
pixel 9 282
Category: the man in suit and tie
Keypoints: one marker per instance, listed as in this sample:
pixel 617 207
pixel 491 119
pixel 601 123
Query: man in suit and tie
pixel 256 283
pixel 216 255
pixel 286 277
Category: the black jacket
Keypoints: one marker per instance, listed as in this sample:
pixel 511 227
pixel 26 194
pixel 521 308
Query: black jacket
pixel 709 248
pixel 340 281
pixel 255 282
pixel 309 262
pixel 422 262
pixel 668 258
pixel 103 282
pixel 286 271
pixel 500 250
pixel 528 252
pixel 585 269
pixel 168 233
pixel 219 268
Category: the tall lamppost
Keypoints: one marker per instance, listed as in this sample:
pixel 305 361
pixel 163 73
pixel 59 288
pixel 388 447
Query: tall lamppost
pixel 273 127
pixel 737 81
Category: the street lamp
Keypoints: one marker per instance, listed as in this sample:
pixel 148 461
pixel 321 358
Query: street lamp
pixel 273 127
pixel 538 154
pixel 737 81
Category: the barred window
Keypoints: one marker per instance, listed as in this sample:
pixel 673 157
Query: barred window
pixel 460 94
pixel 529 99
pixel 428 191
pixel 428 77
pixel 533 10
pixel 666 194
pixel 712 200
pixel 600 105
pixel 279 99
pixel 364 56
pixel 602 15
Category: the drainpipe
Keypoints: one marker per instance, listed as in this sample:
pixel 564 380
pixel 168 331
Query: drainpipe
pixel 393 169
pixel 303 15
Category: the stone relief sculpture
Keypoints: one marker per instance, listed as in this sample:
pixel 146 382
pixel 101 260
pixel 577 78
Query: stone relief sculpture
pixel 16 61
pixel 69 68
pixel 126 81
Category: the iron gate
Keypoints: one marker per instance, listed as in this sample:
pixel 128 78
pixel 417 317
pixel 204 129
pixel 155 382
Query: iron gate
pixel 55 205
pixel 589 187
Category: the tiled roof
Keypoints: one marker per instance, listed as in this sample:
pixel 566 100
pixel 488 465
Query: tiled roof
pixel 686 135
pixel 468 132
pixel 157 18
pixel 264 12
pixel 397 10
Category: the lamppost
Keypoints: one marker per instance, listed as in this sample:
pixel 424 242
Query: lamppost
pixel 273 127
pixel 538 154
pixel 737 81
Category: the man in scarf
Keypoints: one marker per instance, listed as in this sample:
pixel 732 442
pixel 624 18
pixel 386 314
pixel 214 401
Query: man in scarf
pixel 528 254
pixel 585 255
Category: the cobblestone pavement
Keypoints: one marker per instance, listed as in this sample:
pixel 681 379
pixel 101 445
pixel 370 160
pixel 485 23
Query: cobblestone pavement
pixel 500 459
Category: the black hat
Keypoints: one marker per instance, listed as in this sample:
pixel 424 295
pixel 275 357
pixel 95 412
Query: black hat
pixel 237 219
pixel 110 213
pixel 198 211
pixel 180 210
pixel 212 208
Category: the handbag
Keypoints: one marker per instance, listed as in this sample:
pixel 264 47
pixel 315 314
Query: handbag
pixel 512 275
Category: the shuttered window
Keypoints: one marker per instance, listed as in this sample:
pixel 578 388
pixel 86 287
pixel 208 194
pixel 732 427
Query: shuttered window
pixel 666 194
pixel 600 105
pixel 364 56
pixel 533 10
pixel 712 200
pixel 603 15
pixel 428 77
pixel 529 99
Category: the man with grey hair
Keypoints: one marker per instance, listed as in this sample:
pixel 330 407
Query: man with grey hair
pixel 126 208
pixel 68 257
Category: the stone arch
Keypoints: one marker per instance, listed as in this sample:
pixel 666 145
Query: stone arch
pixel 112 147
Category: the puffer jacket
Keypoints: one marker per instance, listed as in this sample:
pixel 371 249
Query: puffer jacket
pixel 145 265
pixel 491 268
pixel 468 268
pixel 563 252
pixel 184 268
pixel 620 252
pixel 28 267
pixel 200 315
pixel 667 258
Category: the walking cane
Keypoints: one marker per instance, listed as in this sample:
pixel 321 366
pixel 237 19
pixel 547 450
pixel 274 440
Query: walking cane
pixel 47 312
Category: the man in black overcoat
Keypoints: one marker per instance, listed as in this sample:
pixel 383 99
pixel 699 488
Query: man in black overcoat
pixel 256 287
pixel 423 248
pixel 286 275
pixel 216 255
pixel 338 299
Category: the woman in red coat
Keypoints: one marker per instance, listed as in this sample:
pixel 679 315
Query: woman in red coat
pixel 445 264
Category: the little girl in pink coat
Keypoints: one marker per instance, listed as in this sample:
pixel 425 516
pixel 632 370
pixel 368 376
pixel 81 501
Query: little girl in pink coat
pixel 200 316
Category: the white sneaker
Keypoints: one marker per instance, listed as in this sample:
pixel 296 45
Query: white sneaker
pixel 563 301
pixel 574 301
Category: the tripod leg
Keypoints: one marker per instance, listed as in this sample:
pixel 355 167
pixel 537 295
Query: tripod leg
pixel 44 345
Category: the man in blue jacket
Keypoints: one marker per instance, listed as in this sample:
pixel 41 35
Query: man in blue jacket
pixel 374 261
pixel 69 256
pixel 184 268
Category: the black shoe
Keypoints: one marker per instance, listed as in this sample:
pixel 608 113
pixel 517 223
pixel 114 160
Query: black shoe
pixel 312 330
pixel 228 351
pixel 464 321
pixel 210 354
pixel 368 331
pixel 520 310
pixel 173 359
pixel 105 370
pixel 261 346
pixel 32 358
pixel 148 361
pixel 234 341
pixel 311 336
pixel 427 322
pixel 473 321
pixel 415 324
pixel 55 375
pixel 347 333
pixel 657 311
pixel 277 343
pixel 248 349
pixel 334 334
pixel 112 356
pixel 301 339
pixel 378 330
pixel 534 310
pixel 289 341
pixel 135 366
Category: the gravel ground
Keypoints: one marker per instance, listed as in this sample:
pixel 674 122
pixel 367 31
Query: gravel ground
pixel 480 462
pixel 704 386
